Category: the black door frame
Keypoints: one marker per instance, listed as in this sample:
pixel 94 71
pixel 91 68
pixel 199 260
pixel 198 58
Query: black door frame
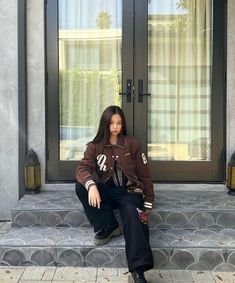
pixel 22 93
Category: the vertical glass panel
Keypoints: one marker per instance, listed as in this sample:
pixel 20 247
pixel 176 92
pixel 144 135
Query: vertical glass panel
pixel 90 41
pixel 179 79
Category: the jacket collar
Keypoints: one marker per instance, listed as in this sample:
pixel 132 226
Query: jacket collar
pixel 121 142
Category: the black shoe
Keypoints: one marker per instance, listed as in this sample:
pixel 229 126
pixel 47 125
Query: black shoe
pixel 138 276
pixel 105 235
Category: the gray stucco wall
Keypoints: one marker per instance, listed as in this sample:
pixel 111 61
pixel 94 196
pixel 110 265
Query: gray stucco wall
pixel 36 84
pixel 8 108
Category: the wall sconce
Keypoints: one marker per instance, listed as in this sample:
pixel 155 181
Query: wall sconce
pixel 32 171
pixel 231 175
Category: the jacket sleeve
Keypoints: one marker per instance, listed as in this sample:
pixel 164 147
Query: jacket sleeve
pixel 144 176
pixel 87 167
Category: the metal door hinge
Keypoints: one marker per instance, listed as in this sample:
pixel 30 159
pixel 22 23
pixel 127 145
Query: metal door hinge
pixel 224 155
pixel 47 154
pixel 46 78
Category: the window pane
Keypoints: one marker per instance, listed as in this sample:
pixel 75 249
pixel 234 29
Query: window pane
pixel 179 74
pixel 90 39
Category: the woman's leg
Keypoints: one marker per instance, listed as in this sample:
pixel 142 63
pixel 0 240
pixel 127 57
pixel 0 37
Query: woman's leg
pixel 99 218
pixel 138 251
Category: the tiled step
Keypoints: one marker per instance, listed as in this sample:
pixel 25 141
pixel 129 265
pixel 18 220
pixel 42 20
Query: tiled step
pixel 172 209
pixel 202 249
pixel 189 229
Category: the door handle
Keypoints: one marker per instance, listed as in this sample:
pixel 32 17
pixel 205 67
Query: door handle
pixel 140 91
pixel 128 90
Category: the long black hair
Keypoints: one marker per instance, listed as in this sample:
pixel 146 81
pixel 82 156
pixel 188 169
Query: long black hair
pixel 103 133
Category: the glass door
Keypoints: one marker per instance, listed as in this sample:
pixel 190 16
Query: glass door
pixel 90 66
pixel 180 88
pixel 90 63
pixel 161 61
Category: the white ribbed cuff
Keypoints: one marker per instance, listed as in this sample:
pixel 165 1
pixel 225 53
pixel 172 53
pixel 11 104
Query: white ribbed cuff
pixel 148 205
pixel 89 183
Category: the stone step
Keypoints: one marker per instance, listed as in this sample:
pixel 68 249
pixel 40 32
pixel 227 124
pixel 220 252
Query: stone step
pixel 188 209
pixel 189 229
pixel 195 249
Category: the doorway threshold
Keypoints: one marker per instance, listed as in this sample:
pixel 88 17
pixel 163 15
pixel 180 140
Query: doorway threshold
pixel 157 186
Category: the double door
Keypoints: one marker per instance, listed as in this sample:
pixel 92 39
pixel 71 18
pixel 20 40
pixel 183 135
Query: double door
pixel 163 63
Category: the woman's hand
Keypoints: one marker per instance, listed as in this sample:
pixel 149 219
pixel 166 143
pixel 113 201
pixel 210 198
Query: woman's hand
pixel 94 197
pixel 143 215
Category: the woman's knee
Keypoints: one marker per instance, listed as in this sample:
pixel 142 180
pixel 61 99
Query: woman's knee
pixel 130 203
pixel 128 209
pixel 80 190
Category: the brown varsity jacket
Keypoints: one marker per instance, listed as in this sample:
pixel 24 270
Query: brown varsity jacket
pixel 132 161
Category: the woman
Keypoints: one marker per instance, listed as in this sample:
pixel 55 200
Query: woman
pixel 122 181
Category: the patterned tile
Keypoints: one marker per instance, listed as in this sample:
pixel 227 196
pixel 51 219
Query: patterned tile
pixel 172 209
pixel 175 249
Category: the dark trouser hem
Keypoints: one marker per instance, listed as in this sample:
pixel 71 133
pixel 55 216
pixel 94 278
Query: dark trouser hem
pixel 142 267
pixel 138 250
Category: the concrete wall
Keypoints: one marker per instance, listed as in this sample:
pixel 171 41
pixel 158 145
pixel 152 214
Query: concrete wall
pixel 36 84
pixel 8 108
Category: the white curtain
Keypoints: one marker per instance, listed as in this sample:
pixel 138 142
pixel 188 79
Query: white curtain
pixel 179 77
pixel 90 38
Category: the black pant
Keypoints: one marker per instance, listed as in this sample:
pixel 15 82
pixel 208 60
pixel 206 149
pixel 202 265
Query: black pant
pixel 136 234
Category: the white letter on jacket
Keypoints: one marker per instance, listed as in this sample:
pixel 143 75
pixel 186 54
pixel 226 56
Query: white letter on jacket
pixel 101 161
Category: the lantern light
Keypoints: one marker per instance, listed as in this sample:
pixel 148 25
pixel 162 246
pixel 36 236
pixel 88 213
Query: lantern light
pixel 231 175
pixel 32 171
